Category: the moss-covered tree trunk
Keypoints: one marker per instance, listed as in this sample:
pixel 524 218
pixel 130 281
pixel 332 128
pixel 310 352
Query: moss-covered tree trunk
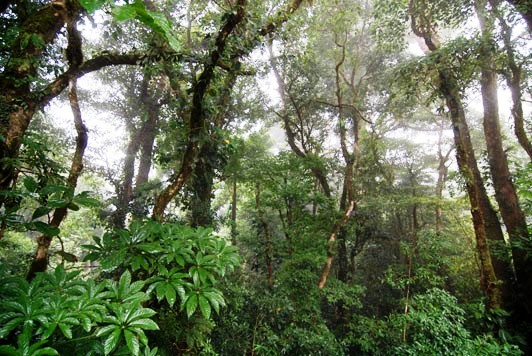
pixel 505 192
pixel 496 277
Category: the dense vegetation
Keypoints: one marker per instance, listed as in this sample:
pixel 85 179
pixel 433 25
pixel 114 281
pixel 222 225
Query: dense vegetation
pixel 281 177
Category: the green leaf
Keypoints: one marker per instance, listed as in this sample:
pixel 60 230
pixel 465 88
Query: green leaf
pixel 192 304
pixel 48 351
pixel 124 12
pixel 40 211
pixel 92 5
pixel 85 322
pixel 49 331
pixel 205 307
pixel 46 229
pixel 30 184
pixel 84 199
pixel 66 330
pixel 124 283
pixel 160 291
pixel 132 342
pixel 54 188
pixel 58 203
pixel 10 325
pixel 8 350
pixel 105 330
pixel 141 314
pixel 111 342
pixel 170 295
pixel 146 324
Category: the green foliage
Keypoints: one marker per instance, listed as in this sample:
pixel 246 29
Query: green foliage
pixel 435 324
pixel 175 260
pixel 137 10
pixel 67 314
pixel 16 252
pixel 42 187
pixel 268 322
pixel 47 199
pixel 178 265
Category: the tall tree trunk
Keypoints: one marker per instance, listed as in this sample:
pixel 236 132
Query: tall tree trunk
pixel 140 139
pixel 125 190
pixel 348 193
pixel 197 114
pixel 210 158
pixel 147 140
pixel 485 221
pixel 484 218
pixel 513 78
pixel 505 193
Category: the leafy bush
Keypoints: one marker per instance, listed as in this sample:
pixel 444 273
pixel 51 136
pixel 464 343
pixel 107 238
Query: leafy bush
pixel 61 313
pixel 435 326
pixel 181 266
pixel 169 267
pixel 174 260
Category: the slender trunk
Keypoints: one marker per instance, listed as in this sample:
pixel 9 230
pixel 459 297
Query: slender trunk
pixel 348 194
pixel 75 58
pixel 147 140
pixel 514 83
pixel 330 249
pixel 40 261
pixel 125 190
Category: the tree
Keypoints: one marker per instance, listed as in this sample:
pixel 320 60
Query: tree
pixel 505 192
